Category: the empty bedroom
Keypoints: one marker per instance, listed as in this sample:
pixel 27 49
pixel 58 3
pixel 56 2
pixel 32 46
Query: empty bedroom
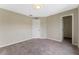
pixel 39 29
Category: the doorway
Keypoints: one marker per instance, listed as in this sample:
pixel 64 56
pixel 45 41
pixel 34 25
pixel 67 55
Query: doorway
pixel 36 28
pixel 67 28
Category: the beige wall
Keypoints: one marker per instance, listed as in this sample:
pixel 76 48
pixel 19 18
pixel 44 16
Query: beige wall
pixel 78 27
pixel 67 26
pixel 54 26
pixel 14 28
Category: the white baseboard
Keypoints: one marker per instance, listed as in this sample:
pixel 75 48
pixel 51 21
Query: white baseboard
pixel 14 43
pixel 26 40
pixel 55 40
pixel 19 42
pixel 75 44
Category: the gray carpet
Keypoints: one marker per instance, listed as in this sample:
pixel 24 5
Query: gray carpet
pixel 40 47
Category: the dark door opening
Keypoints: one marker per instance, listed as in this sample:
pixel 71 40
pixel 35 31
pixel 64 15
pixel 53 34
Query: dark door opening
pixel 67 28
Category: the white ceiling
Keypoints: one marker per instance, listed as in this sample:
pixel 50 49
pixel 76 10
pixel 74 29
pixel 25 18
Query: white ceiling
pixel 45 10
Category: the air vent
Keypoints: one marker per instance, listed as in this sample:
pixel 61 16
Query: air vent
pixel 36 18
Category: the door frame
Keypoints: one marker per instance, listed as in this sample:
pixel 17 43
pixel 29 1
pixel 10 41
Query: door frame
pixel 72 27
pixel 36 33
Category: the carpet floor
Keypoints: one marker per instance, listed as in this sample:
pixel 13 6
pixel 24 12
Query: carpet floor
pixel 40 47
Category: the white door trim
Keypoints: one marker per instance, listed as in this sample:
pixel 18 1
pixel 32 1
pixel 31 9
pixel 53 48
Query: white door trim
pixel 36 28
pixel 72 26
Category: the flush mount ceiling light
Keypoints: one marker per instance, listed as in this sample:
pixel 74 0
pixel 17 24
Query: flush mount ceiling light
pixel 37 6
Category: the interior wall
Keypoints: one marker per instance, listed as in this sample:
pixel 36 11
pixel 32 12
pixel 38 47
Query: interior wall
pixel 67 26
pixel 54 26
pixel 78 27
pixel 14 28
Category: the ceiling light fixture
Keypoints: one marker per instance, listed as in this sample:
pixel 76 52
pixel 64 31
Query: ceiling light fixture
pixel 37 6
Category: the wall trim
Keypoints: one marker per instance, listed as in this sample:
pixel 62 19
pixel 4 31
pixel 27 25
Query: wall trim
pixel 14 43
pixel 27 40
pixel 72 26
pixel 55 39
